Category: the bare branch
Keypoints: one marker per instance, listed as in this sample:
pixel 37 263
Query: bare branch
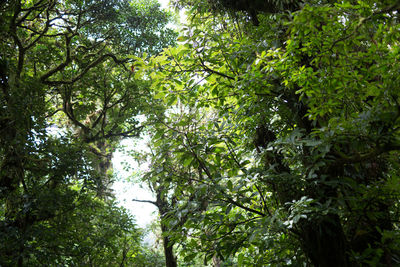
pixel 83 72
pixel 207 69
pixel 145 201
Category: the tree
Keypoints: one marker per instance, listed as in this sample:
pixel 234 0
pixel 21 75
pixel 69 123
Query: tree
pixel 301 161
pixel 68 95
pixel 91 233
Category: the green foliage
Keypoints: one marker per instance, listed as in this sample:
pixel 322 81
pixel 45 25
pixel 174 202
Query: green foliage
pixel 91 233
pixel 274 145
pixel 279 143
pixel 68 95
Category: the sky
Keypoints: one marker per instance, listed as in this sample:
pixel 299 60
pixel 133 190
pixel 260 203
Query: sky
pixel 164 3
pixel 125 191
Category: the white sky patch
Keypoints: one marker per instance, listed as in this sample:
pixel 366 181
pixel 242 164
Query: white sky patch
pixel 124 166
pixel 164 4
pixel 182 16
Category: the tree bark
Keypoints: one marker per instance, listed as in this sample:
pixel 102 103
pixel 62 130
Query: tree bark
pixel 162 205
pixel 170 260
pixel 324 242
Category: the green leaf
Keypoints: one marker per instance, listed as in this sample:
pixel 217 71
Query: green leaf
pixel 187 161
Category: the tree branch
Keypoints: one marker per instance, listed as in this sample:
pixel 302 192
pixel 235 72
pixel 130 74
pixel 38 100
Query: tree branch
pixel 207 69
pixel 83 72
pixel 145 201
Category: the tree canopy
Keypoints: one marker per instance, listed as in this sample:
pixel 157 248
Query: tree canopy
pixel 279 143
pixel 273 125
pixel 68 95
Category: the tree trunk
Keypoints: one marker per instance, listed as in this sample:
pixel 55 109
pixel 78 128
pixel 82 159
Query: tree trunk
pixel 324 242
pixel 170 260
pixel 102 151
pixel 163 208
pixel 216 262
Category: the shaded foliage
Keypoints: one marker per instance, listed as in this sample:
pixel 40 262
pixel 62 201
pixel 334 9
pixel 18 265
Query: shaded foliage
pixel 68 95
pixel 288 131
